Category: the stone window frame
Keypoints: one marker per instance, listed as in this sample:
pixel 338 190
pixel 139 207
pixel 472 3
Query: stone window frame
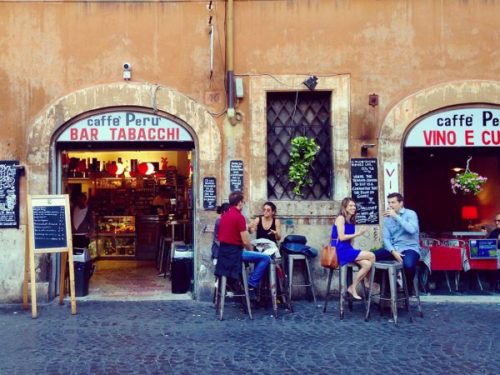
pixel 259 86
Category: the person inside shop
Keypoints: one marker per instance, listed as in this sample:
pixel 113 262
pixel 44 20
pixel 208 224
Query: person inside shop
pixel 267 226
pixel 495 233
pixel 159 206
pixel 400 236
pixel 221 210
pixel 233 237
pixel 82 221
pixel 343 232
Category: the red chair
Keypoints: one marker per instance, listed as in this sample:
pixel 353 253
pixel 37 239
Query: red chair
pixel 445 257
pixel 481 265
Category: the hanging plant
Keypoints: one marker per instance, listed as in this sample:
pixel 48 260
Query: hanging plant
pixel 467 182
pixel 302 155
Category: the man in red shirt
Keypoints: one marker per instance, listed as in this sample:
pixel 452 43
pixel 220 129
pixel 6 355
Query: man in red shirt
pixel 233 237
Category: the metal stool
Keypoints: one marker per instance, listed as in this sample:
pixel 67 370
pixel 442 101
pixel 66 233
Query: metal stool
pixel 392 268
pixel 309 282
pixel 275 285
pixel 220 293
pixel 346 274
pixel 417 294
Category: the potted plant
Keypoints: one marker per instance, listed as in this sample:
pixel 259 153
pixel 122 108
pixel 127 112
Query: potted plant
pixel 302 155
pixel 467 182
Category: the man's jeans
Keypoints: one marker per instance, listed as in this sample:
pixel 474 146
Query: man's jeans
pixel 410 260
pixel 261 262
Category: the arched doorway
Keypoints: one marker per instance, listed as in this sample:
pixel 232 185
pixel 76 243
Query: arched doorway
pixel 43 153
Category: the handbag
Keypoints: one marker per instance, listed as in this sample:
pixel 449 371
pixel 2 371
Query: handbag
pixel 329 257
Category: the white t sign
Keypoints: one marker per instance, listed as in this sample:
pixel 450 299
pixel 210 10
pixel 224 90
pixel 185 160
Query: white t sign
pixel 126 126
pixel 464 127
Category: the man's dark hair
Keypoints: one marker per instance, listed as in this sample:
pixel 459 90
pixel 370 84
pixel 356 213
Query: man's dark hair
pixel 398 196
pixel 235 197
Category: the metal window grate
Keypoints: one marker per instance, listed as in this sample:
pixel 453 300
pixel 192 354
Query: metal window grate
pixel 292 114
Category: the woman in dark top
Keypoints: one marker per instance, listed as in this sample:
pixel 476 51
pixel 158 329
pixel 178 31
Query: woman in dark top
pixel 267 226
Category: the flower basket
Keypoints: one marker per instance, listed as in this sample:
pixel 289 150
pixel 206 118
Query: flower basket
pixel 467 182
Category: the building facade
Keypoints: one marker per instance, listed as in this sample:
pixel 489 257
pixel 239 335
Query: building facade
pixel 379 68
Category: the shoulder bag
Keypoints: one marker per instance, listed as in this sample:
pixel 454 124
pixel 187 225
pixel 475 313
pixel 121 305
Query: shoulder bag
pixel 329 257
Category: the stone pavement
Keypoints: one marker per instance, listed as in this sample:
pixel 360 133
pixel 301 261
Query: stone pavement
pixel 183 337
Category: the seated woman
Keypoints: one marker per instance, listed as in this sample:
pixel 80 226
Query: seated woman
pixel 343 231
pixel 267 226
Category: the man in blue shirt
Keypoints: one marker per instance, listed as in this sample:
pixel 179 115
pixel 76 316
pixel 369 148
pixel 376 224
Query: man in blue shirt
pixel 401 236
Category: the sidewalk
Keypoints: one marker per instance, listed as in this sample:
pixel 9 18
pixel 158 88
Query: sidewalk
pixel 183 337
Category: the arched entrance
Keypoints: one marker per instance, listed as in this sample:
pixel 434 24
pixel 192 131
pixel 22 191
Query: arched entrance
pixel 404 114
pixel 422 170
pixel 42 176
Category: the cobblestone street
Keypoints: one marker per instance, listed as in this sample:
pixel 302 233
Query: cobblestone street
pixel 183 337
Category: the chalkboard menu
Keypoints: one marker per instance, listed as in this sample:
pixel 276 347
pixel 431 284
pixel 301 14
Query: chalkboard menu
pixel 236 175
pixel 49 222
pixel 364 185
pixel 9 194
pixel 209 193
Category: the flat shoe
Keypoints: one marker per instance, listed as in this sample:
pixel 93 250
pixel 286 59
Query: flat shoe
pixel 353 296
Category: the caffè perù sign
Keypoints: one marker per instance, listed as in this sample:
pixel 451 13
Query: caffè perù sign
pixel 125 126
pixel 464 127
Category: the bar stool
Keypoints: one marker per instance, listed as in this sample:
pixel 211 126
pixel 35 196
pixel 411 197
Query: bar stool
pixel 393 268
pixel 346 275
pixel 274 285
pixel 309 282
pixel 220 294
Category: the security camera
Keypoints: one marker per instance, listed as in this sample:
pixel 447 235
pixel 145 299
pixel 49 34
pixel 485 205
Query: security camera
pixel 127 66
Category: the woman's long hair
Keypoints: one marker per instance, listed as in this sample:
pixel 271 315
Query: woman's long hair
pixel 343 209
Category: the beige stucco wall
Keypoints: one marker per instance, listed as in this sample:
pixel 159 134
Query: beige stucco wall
pixel 415 54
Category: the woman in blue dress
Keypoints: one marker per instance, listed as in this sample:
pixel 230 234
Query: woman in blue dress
pixel 343 231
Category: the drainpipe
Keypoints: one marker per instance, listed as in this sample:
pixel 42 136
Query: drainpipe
pixel 231 113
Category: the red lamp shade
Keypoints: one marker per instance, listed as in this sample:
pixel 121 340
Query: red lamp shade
pixel 469 213
pixel 142 168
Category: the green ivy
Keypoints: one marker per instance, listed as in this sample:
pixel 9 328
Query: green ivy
pixel 302 155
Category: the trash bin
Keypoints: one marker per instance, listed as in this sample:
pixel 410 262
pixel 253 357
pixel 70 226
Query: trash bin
pixel 182 268
pixel 83 271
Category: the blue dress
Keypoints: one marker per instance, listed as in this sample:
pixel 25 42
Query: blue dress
pixel 345 252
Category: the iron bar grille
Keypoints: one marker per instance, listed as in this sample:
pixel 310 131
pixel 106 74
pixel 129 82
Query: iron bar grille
pixel 292 114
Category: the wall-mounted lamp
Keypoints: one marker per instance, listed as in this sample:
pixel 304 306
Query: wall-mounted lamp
pixel 311 82
pixel 373 100
pixel 365 147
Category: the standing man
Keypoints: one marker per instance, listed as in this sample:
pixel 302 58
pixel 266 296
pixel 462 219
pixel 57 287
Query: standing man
pixel 82 222
pixel 401 236
pixel 495 233
pixel 233 238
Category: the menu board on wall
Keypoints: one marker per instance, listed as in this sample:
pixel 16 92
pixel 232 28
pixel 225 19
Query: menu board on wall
pixel 49 222
pixel 9 194
pixel 364 183
pixel 209 193
pixel 236 175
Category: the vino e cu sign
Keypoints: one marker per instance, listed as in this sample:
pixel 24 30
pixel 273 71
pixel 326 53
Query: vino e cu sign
pixel 364 185
pixel 49 231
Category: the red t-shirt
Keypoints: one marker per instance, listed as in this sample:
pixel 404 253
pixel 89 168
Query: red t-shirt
pixel 232 223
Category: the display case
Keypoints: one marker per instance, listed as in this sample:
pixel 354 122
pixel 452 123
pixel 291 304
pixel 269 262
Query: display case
pixel 116 236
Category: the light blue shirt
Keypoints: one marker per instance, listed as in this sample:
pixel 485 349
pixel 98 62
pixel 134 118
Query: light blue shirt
pixel 401 232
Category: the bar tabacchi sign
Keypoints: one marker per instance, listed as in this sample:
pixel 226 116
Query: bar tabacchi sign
pixel 464 127
pixel 125 127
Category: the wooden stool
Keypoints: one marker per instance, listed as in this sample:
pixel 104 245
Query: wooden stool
pixel 393 268
pixel 346 275
pixel 220 294
pixel 309 282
